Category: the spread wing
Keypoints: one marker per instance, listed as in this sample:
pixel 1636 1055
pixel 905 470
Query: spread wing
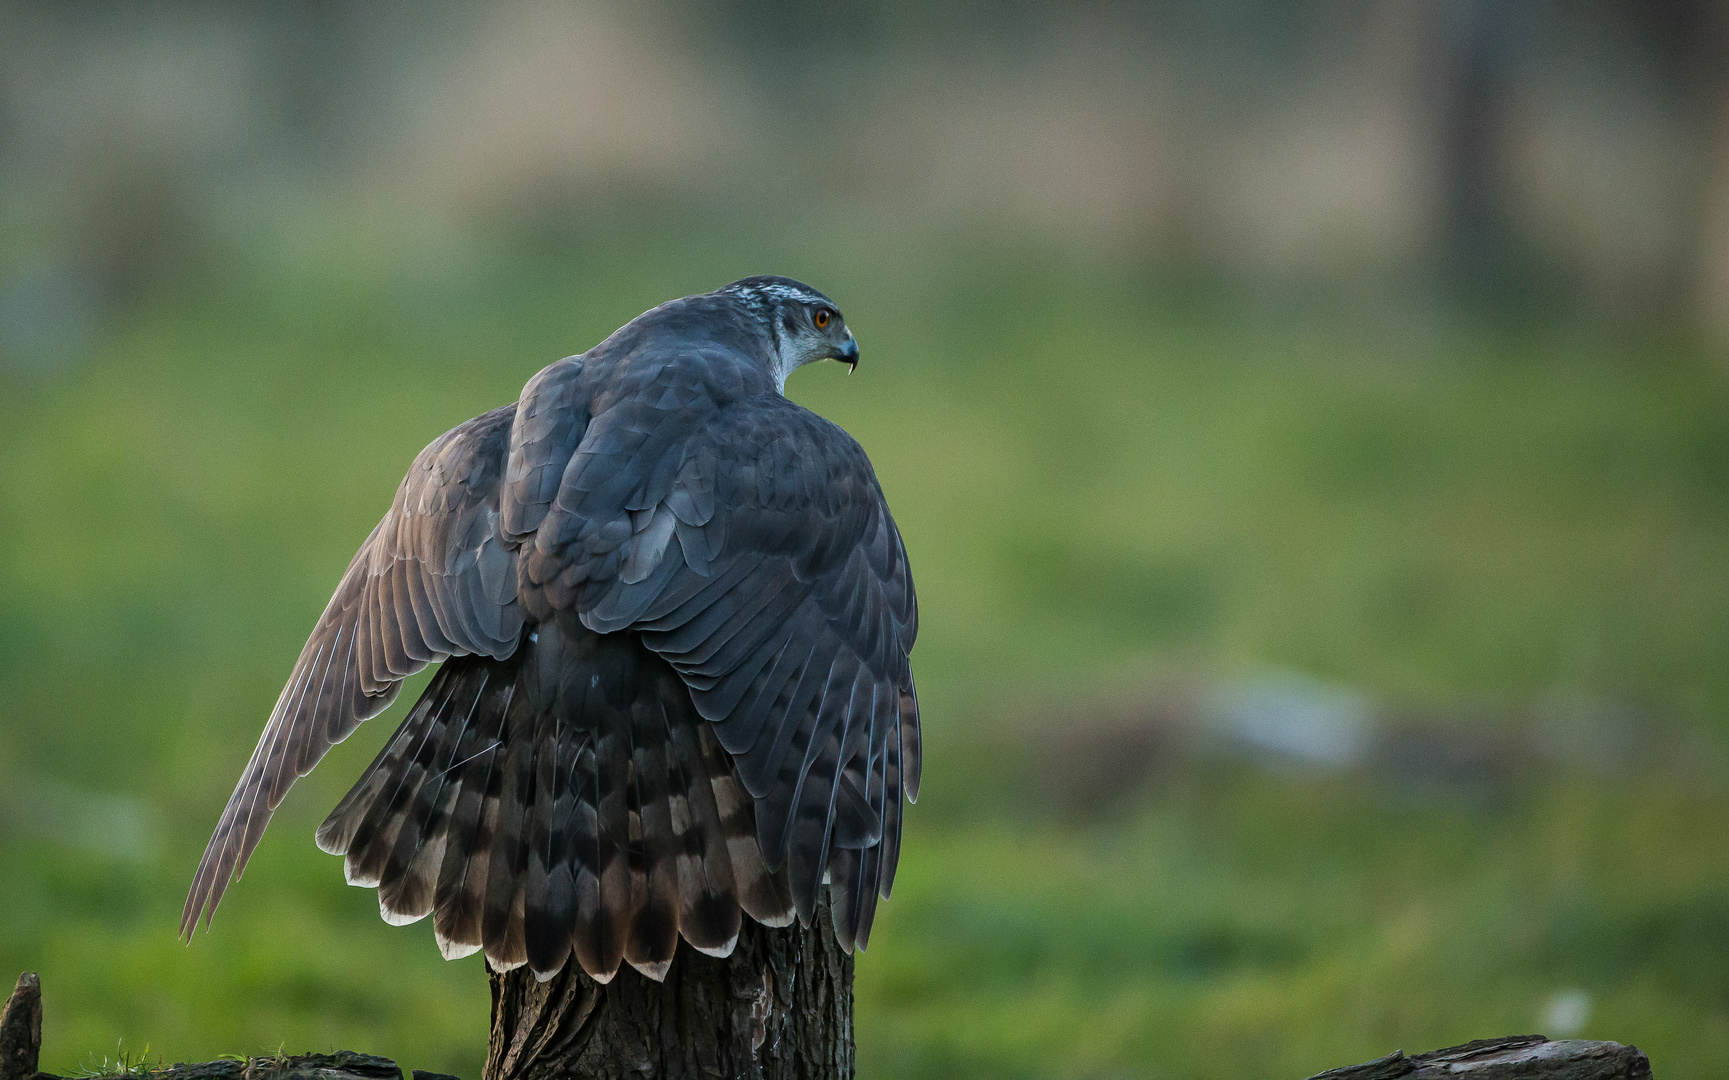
pixel 433 580
pixel 747 541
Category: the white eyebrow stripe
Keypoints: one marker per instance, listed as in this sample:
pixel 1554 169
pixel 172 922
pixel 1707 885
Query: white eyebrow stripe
pixel 788 292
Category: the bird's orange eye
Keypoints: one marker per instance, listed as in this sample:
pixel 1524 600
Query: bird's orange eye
pixel 821 318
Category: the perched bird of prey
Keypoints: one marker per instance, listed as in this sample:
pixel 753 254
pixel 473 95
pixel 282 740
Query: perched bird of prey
pixel 673 616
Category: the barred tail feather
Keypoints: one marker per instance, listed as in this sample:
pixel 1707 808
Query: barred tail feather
pixel 652 937
pixel 568 800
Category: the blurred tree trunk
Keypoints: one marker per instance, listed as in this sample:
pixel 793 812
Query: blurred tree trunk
pixel 779 1008
pixel 1687 42
pixel 1481 46
pixel 1693 36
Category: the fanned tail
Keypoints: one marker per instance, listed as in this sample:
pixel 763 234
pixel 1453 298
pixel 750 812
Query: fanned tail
pixel 567 799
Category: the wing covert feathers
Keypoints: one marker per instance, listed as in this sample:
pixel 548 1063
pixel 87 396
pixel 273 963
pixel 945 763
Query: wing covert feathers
pixel 748 543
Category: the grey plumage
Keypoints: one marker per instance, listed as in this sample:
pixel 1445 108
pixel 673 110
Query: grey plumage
pixel 674 617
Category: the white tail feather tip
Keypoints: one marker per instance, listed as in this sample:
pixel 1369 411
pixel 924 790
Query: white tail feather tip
pixel 656 970
pixel 723 952
pixel 398 918
pixel 455 950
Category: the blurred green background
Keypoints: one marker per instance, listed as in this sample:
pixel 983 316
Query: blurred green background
pixel 1309 425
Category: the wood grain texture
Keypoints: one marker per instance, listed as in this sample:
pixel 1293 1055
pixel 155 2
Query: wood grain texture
pixel 779 1008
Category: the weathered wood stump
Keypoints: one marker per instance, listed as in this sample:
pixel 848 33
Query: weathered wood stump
pixel 779 1008
pixel 21 1029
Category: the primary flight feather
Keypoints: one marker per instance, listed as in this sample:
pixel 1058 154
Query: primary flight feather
pixel 673 616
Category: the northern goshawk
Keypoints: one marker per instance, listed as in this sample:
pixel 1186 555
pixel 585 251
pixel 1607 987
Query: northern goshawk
pixel 673 615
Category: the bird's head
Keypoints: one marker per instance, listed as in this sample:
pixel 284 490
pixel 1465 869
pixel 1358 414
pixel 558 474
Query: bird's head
pixel 804 325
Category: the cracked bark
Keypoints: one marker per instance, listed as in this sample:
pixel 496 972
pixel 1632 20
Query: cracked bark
pixel 779 1008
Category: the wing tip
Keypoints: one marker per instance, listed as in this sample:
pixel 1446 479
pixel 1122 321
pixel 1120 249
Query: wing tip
pixel 189 926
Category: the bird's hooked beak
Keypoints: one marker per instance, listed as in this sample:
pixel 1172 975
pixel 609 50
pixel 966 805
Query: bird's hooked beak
pixel 848 354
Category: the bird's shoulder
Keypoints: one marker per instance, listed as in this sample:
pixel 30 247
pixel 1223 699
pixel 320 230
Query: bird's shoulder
pixel 469 457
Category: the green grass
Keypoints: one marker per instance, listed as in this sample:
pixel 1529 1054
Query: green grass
pixel 1247 926
pixel 1096 487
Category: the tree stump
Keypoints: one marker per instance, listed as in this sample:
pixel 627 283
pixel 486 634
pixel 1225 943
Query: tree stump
pixel 21 1029
pixel 779 1008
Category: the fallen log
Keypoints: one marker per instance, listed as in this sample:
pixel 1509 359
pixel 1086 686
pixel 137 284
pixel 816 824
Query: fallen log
pixel 1527 1057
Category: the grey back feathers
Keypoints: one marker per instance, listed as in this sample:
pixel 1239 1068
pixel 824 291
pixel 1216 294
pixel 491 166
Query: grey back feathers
pixel 674 617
